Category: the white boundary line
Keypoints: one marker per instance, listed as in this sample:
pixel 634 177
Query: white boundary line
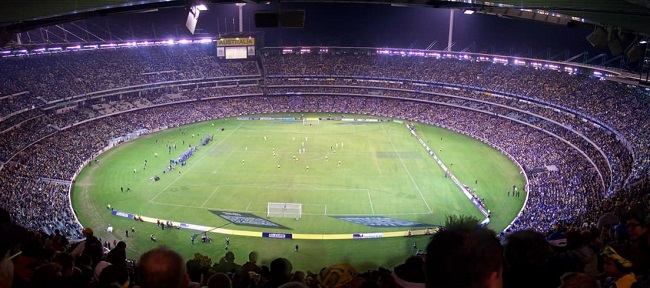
pixel 453 178
pixel 254 211
pixel 370 199
pixel 298 188
pixel 248 206
pixel 247 209
pixel 209 197
pixel 406 169
pixel 312 214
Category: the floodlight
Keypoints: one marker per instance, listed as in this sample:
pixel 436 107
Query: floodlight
pixel 192 18
pixel 469 11
pixel 201 7
pixel 644 41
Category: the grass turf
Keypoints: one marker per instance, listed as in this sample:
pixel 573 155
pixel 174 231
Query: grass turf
pixel 383 171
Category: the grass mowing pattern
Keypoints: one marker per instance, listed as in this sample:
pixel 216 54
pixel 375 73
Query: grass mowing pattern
pixel 383 171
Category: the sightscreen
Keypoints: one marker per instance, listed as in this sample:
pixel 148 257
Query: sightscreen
pixel 236 53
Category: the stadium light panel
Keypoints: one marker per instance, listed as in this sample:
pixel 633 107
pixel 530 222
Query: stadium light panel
pixel 469 11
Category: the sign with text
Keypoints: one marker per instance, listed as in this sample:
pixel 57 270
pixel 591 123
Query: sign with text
pixel 223 42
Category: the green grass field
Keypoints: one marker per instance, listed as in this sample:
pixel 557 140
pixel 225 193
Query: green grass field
pixel 383 171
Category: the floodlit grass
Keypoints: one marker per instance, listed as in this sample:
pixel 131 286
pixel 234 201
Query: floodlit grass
pixel 383 171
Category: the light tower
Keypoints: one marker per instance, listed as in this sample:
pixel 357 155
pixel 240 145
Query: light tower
pixel 241 18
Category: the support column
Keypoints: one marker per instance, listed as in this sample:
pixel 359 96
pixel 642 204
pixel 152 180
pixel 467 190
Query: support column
pixel 241 18
pixel 451 30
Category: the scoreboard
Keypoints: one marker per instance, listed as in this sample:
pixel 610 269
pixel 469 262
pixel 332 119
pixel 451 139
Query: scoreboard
pixel 236 48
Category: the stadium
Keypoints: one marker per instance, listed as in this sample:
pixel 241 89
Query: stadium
pixel 226 143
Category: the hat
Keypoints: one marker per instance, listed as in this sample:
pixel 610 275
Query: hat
pixel 608 218
pixel 557 239
pixel 410 274
pixel 611 253
pixel 339 275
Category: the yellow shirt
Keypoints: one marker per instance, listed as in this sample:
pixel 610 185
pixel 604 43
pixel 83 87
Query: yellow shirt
pixel 626 281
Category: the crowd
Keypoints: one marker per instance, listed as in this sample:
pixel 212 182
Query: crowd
pixel 614 253
pixel 614 151
pixel 558 197
pixel 36 178
pixel 53 158
pixel 612 104
pixel 53 77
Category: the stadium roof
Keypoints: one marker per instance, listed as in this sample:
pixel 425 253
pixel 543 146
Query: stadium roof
pixel 629 15
pixel 616 26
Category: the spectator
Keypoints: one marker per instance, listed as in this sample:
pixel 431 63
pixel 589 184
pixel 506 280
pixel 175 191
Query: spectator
pixel 71 276
pixel 117 256
pixel 639 239
pixel 618 268
pixel 579 280
pixel 280 273
pixel 219 280
pixel 410 274
pixel 47 275
pixel 9 249
pixel 248 267
pixel 114 276
pixel 464 254
pixel 227 264
pixel 162 268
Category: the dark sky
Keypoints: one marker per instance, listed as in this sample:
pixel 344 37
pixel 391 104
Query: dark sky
pixel 381 25
pixel 376 25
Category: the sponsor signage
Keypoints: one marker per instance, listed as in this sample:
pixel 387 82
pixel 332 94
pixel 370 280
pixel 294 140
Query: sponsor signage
pixel 122 214
pixel 367 235
pixel 277 235
pixel 223 42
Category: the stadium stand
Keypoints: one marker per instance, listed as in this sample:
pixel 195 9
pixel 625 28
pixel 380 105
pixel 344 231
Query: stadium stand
pixel 595 131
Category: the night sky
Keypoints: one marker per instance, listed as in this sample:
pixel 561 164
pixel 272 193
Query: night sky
pixel 372 25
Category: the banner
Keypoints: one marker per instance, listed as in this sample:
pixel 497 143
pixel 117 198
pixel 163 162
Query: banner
pixel 277 235
pixel 122 214
pixel 367 235
pixel 223 42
